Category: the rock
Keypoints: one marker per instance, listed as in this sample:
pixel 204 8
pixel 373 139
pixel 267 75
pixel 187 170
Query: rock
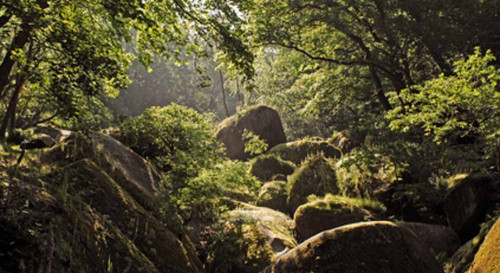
pixel 487 259
pixel 87 182
pixel 266 167
pixel 327 213
pixel 314 176
pixel 260 120
pixel 273 195
pixel 421 202
pixel 39 142
pixel 248 239
pixel 131 171
pixel 58 135
pixel 467 203
pixel 344 141
pixel 298 150
pixel 363 247
pixel 439 239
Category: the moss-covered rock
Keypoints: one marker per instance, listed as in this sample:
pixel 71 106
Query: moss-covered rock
pixel 273 195
pixel 441 240
pixel 364 247
pixel 248 239
pixel 468 201
pixel 331 212
pixel 487 259
pixel 260 120
pixel 266 167
pixel 314 176
pixel 85 181
pixel 297 151
pixel 422 202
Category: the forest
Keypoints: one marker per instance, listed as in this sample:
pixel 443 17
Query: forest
pixel 247 136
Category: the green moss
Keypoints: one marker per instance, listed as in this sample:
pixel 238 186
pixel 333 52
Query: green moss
pixel 369 204
pixel 273 195
pixel 314 176
pixel 265 167
pixel 487 259
pixel 297 151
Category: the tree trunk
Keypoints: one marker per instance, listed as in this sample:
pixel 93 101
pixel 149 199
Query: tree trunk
pixel 5 19
pixel 380 89
pixel 8 63
pixel 223 93
pixel 10 114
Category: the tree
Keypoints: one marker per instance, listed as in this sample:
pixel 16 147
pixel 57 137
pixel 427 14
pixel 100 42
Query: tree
pixel 466 103
pixel 78 44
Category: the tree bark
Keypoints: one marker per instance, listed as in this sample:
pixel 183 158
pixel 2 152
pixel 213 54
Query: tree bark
pixel 223 93
pixel 5 19
pixel 380 89
pixel 10 114
pixel 8 63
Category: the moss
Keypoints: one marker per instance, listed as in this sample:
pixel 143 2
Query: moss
pixel 487 259
pixel 314 176
pixel 265 167
pixel 332 211
pixel 244 240
pixel 298 151
pixel 273 195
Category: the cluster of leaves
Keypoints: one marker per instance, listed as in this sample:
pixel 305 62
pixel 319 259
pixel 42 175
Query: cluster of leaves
pixel 181 142
pixel 253 144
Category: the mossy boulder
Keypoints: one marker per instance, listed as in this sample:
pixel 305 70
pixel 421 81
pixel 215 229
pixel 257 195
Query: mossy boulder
pixel 487 259
pixel 248 239
pixel 315 176
pixel 468 201
pixel 420 202
pixel 330 212
pixel 261 120
pixel 441 240
pixel 345 141
pixel 266 167
pixel 273 195
pixel 370 247
pixel 297 151
pixel 132 172
pixel 87 182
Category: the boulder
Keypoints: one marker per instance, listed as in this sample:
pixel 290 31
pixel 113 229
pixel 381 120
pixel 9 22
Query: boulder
pixel 260 120
pixel 265 167
pixel 363 247
pixel 87 182
pixel 130 170
pixel 314 176
pixel 439 239
pixel 297 151
pixel 468 201
pixel 487 259
pixel 273 195
pixel 58 135
pixel 248 239
pixel 420 202
pixel 327 213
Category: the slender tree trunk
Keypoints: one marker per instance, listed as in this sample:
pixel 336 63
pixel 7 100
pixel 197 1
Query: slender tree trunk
pixel 223 93
pixel 10 114
pixel 380 89
pixel 8 63
pixel 5 19
pixel 240 99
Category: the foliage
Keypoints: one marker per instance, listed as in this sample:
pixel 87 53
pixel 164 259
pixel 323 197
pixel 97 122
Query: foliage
pixel 253 144
pixel 204 194
pixel 467 103
pixel 329 199
pixel 265 167
pixel 177 139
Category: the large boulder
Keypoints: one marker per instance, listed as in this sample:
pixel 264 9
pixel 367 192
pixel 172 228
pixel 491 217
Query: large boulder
pixel 441 240
pixel 87 182
pixel 273 195
pixel 315 176
pixel 248 239
pixel 128 169
pixel 266 167
pixel 260 120
pixel 329 212
pixel 487 259
pixel 370 247
pixel 298 150
pixel 420 202
pixel 468 201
